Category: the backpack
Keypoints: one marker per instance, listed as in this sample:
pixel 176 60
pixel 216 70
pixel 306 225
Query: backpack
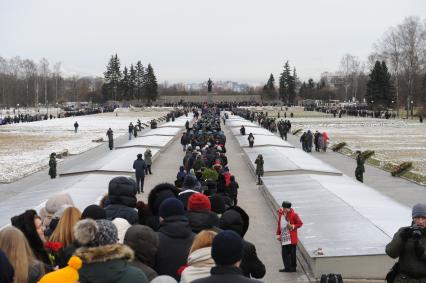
pixel 331 278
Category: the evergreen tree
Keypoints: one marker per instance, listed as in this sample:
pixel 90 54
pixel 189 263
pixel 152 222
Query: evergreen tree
pixel 292 79
pixel 380 91
pixel 113 76
pixel 283 83
pixel 150 86
pixel 124 84
pixel 140 73
pixel 269 91
pixel 132 82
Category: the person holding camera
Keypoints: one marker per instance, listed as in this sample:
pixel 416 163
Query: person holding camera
pixel 409 245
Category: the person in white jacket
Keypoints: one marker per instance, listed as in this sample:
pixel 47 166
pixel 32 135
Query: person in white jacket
pixel 200 260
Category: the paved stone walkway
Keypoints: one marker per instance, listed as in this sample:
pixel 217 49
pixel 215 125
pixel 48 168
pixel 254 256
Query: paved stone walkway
pixel 262 218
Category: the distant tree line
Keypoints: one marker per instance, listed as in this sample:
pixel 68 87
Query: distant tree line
pixel 393 75
pixel 29 83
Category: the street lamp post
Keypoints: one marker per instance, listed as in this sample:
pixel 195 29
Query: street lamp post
pixel 17 105
pixel 412 102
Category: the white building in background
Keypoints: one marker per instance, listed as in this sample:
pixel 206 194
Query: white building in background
pixel 332 80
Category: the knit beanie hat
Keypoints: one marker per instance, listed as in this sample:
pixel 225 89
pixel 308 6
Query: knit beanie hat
pixel 101 232
pixel 191 183
pixel 217 204
pixel 171 207
pixel 67 274
pixel 122 226
pixel 419 210
pixel 94 212
pixel 106 233
pixel 286 204
pixel 227 248
pixel 198 202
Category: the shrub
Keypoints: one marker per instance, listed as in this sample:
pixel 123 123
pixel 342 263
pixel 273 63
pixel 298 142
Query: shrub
pixel 338 146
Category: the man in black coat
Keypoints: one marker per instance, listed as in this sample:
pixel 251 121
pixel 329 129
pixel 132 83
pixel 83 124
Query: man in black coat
pixel 110 135
pixel 139 166
pixel 122 198
pixel 237 220
pixel 227 251
pixel 175 237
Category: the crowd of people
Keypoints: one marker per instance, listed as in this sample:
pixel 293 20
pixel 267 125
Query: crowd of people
pixel 15 117
pixel 190 231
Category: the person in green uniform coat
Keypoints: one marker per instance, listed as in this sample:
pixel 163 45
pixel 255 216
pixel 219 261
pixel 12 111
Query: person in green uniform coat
pixel 409 246
pixel 359 171
pixel 52 165
pixel 259 168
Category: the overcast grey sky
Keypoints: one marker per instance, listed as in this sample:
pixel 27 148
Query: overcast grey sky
pixel 191 40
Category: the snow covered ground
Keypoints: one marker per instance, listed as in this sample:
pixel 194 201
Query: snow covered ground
pixel 25 147
pixel 392 140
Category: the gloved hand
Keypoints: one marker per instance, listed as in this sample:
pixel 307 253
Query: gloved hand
pixel 406 233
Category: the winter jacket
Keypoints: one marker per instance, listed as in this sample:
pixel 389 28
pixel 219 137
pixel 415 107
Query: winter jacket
pixel 259 166
pixel 35 272
pixel 139 165
pixel 293 219
pixel 200 220
pixel 122 197
pixel 226 274
pixel 411 254
pixel 175 241
pixel 184 140
pixel 198 164
pixel 200 262
pixel 108 264
pixel 181 174
pixel 237 220
pixel 144 242
pixel 148 157
pixel 232 189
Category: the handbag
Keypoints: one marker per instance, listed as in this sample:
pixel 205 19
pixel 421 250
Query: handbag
pixel 393 272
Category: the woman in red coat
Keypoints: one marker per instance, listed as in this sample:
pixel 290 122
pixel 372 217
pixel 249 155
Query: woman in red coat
pixel 288 223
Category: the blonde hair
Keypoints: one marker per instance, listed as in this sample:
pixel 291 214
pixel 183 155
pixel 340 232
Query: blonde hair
pixel 203 239
pixel 14 244
pixel 63 233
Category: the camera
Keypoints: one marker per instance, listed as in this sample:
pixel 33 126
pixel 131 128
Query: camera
pixel 416 232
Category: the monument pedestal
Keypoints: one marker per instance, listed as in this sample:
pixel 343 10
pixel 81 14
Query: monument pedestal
pixel 210 97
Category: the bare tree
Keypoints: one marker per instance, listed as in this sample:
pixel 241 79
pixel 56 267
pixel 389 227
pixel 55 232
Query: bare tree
pixel 44 72
pixel 57 74
pixel 349 69
pixel 30 72
pixel 3 71
pixel 390 49
pixel 412 36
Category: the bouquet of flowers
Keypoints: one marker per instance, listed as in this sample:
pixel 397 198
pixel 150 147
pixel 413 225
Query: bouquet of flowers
pixel 52 249
pixel 400 169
